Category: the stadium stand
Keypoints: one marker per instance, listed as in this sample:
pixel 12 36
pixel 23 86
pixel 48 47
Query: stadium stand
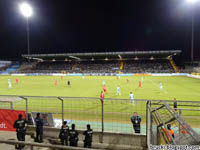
pixel 111 62
pixel 4 65
pixel 99 67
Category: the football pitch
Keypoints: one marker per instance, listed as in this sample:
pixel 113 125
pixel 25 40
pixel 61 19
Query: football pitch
pixel 181 88
pixel 116 112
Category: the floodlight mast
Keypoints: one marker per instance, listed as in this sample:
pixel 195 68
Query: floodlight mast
pixel 192 2
pixel 27 12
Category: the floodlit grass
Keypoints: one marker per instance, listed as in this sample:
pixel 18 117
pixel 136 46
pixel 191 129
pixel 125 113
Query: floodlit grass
pixel 181 88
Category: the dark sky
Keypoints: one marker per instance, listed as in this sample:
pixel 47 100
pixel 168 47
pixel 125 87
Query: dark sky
pixel 61 26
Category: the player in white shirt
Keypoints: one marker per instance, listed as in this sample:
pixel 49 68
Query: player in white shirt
pixel 104 82
pixel 142 79
pixel 131 98
pixel 9 84
pixel 118 90
pixel 83 77
pixel 161 86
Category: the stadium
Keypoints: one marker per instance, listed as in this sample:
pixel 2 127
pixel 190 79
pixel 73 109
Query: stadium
pixel 103 89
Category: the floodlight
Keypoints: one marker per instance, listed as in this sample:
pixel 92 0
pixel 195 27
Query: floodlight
pixel 192 1
pixel 26 10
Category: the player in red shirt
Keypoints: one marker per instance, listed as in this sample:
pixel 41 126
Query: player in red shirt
pixel 140 84
pixel 102 97
pixel 127 81
pixel 104 89
pixel 17 80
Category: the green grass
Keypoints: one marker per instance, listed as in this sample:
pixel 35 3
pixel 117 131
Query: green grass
pixel 181 88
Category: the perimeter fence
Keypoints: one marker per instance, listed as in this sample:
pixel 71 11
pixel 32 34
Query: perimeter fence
pixel 112 116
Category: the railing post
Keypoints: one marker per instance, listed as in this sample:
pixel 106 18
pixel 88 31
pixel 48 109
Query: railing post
pixel 102 117
pixel 11 105
pixel 180 114
pixel 102 120
pixel 26 101
pixel 62 103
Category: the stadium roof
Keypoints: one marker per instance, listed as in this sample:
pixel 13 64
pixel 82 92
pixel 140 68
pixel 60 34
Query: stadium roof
pixel 103 55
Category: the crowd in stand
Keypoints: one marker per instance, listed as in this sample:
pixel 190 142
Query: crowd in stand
pixel 150 67
pixel 101 67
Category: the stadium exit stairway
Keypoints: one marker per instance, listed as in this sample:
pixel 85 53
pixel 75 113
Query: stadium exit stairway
pixel 173 65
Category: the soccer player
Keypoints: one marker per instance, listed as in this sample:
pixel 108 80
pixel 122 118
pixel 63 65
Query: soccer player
pixel 56 83
pixel 142 79
pixel 118 90
pixel 139 84
pixel 161 86
pixel 83 77
pixel 17 80
pixel 9 84
pixel 104 82
pixel 69 83
pixel 102 97
pixel 104 89
pixel 131 98
pixel 61 77
pixel 127 81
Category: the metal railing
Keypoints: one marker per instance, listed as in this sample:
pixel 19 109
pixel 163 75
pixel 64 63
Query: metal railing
pixel 31 145
pixel 162 113
pixel 113 116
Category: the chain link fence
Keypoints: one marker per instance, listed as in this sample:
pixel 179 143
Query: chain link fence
pixel 113 116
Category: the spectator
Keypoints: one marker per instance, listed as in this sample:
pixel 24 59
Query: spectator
pixel 88 137
pixel 64 133
pixel 39 129
pixel 136 120
pixel 21 130
pixel 184 128
pixel 170 131
pixel 73 136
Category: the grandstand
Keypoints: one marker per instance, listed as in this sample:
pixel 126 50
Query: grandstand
pixel 112 62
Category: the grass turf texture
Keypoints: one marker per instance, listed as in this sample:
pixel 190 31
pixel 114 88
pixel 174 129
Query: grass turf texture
pixel 181 88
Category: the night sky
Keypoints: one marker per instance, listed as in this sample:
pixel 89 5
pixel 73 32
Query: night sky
pixel 61 26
